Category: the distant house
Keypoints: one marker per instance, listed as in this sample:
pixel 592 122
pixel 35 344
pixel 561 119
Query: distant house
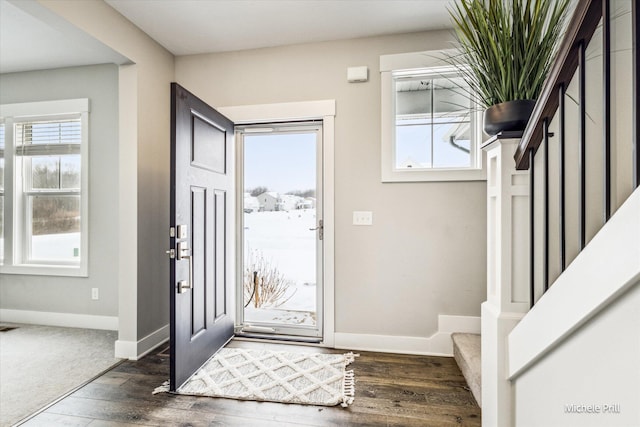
pixel 288 202
pixel 307 203
pixel 251 204
pixel 268 201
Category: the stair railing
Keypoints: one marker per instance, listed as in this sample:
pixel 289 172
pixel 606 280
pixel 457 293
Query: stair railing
pixel 570 63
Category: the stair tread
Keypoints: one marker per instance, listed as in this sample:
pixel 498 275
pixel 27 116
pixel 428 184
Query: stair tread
pixel 467 353
pixel 469 342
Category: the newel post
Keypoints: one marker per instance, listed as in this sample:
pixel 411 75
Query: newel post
pixel 507 274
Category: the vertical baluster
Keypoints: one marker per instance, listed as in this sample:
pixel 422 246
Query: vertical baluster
pixel 635 18
pixel 582 147
pixel 545 255
pixel 532 175
pixel 606 62
pixel 561 175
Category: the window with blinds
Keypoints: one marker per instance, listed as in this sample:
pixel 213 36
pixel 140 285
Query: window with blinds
pixel 50 150
pixel 50 154
pixel 47 153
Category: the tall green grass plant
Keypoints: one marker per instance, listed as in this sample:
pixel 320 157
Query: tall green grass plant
pixel 506 46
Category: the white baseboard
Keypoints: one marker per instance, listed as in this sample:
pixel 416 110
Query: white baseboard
pixel 68 320
pixel 439 344
pixel 134 350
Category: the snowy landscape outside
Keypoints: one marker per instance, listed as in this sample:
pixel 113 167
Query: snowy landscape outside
pixel 280 216
pixel 284 239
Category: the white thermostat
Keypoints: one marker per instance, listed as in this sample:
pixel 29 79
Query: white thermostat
pixel 358 74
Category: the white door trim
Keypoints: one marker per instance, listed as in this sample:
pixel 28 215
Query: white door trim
pixel 324 110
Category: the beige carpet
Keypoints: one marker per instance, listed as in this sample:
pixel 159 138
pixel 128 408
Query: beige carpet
pixel 38 364
pixel 274 376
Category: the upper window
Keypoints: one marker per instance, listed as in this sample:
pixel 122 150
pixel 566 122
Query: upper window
pixel 46 205
pixel 430 127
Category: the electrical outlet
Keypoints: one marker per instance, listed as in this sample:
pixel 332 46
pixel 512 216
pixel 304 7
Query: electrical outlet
pixel 94 293
pixel 362 218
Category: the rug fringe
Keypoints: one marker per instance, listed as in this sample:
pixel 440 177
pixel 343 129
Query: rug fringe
pixel 349 383
pixel 164 388
pixel 348 389
pixel 350 357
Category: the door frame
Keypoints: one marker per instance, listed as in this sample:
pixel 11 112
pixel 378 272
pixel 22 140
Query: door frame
pixel 324 110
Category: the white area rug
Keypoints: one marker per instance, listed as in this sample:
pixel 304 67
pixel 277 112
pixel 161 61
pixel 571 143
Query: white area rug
pixel 274 376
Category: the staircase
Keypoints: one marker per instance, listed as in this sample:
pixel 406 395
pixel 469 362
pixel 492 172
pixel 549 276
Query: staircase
pixel 563 282
pixel 466 352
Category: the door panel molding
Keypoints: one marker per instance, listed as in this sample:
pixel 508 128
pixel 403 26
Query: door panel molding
pixel 220 239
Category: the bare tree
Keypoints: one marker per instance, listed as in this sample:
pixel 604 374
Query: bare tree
pixel 258 191
pixel 51 213
pixel 264 283
pixel 303 193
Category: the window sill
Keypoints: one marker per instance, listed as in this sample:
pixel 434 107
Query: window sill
pixel 45 270
pixel 434 175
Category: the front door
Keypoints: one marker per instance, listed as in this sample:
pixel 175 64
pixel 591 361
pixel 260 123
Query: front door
pixel 201 227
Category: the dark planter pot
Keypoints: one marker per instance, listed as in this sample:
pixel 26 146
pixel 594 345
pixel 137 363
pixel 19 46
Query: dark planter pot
pixel 508 116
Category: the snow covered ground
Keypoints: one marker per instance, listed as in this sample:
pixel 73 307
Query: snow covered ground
pixel 56 247
pixel 285 240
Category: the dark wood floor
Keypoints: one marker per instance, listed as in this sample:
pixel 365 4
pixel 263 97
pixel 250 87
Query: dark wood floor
pixel 391 390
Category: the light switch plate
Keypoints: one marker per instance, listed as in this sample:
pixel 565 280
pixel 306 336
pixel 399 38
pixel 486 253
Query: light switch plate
pixel 362 218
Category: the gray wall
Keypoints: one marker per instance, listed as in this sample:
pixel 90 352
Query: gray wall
pixel 73 294
pixel 426 251
pixel 144 127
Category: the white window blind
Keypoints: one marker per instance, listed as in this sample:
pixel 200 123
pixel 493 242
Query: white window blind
pixel 42 138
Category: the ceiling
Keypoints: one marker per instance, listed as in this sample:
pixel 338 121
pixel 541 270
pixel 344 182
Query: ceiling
pixel 34 38
pixel 187 27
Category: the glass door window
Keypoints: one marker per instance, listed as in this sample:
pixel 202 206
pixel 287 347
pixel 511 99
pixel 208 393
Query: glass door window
pixel 281 283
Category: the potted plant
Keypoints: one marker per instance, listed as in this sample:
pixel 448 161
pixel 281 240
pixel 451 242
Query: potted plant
pixel 506 48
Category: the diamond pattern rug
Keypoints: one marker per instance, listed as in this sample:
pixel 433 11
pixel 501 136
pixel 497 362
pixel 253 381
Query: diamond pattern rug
pixel 274 376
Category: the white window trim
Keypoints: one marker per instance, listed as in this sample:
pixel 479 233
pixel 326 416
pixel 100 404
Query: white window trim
pixel 14 221
pixel 407 63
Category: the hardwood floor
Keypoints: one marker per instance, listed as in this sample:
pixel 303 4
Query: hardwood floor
pixel 391 390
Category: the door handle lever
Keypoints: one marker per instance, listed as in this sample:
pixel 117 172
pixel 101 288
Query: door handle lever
pixel 320 229
pixel 183 253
